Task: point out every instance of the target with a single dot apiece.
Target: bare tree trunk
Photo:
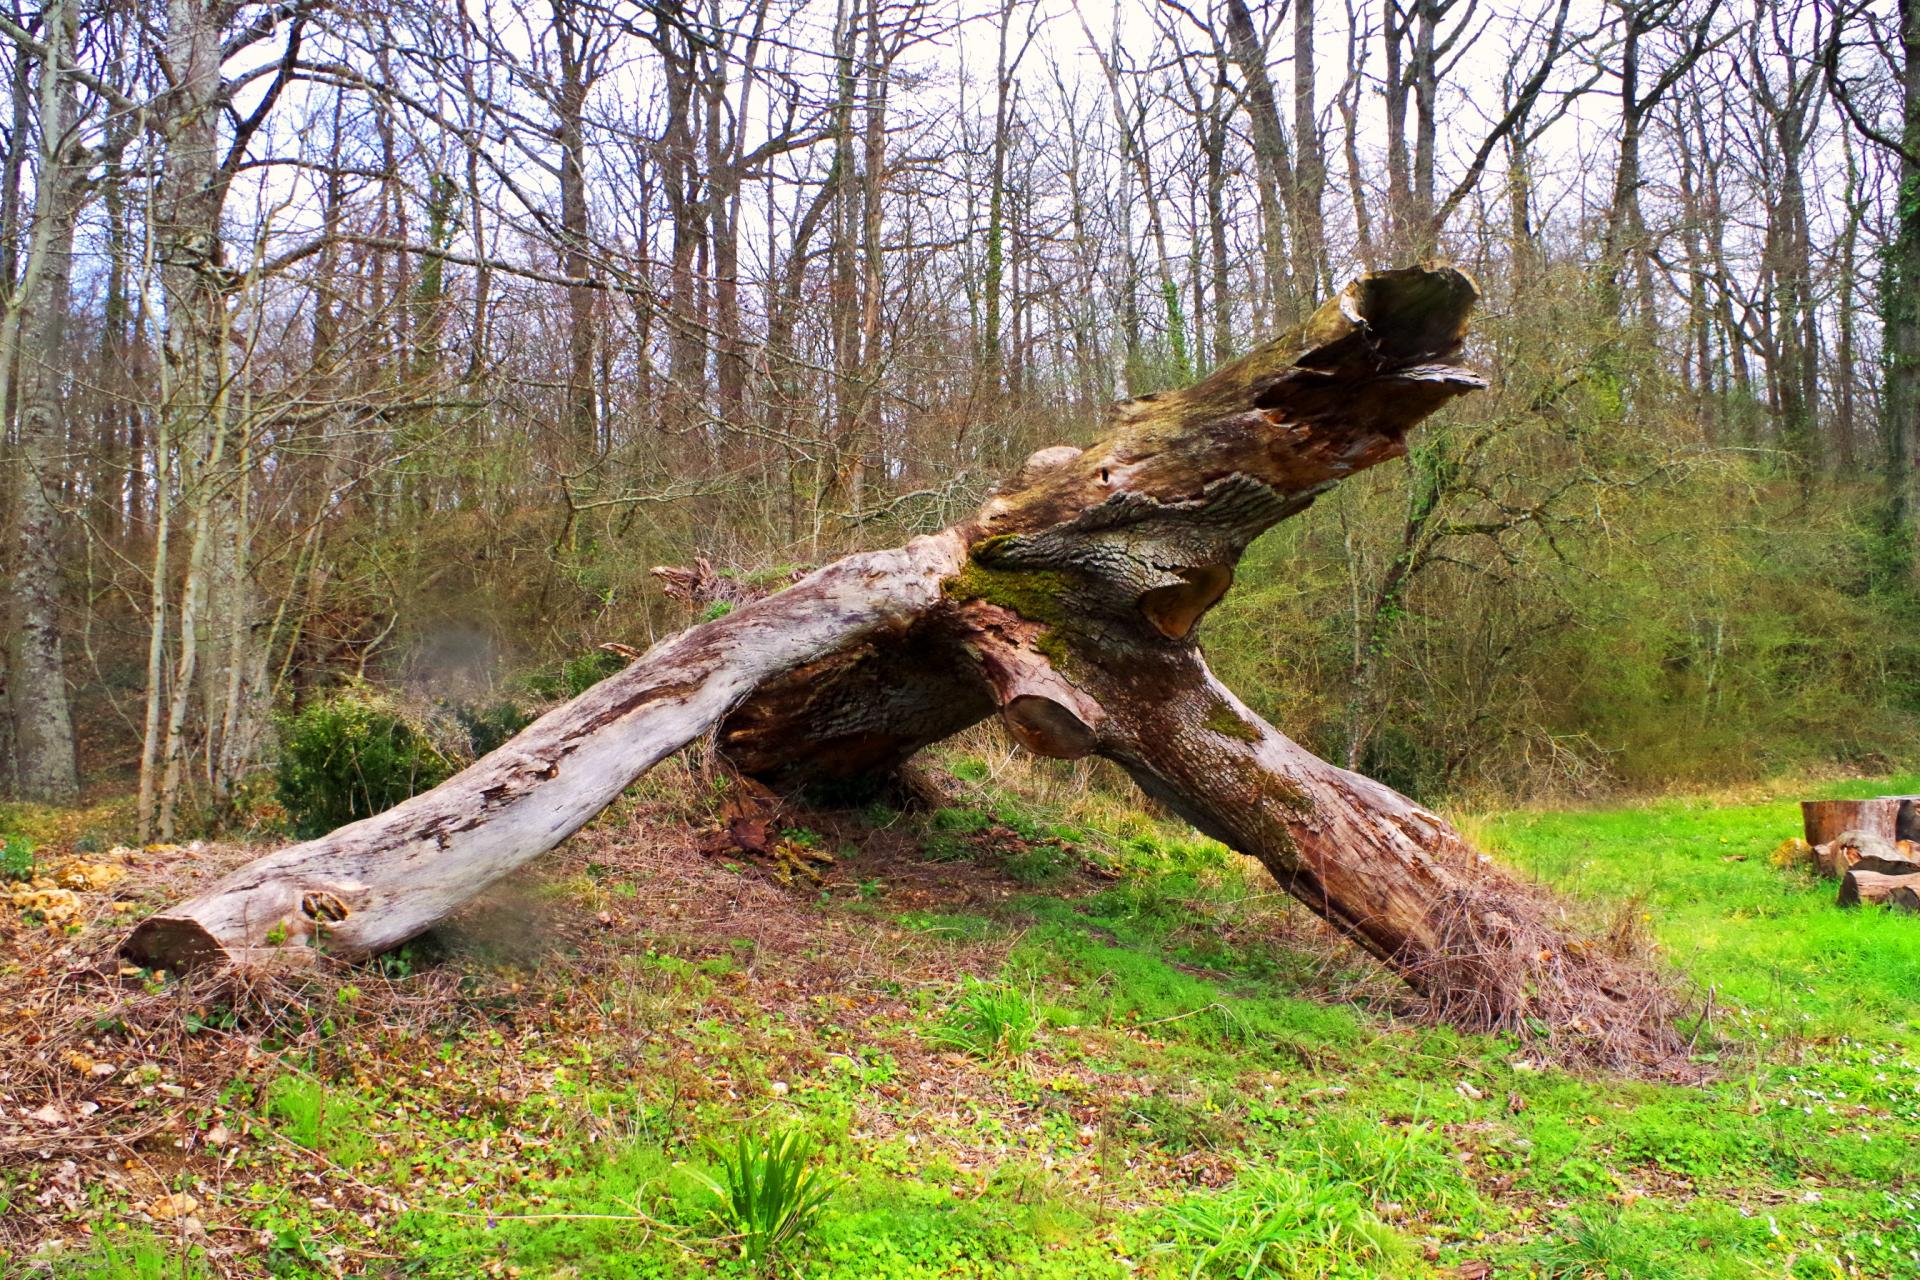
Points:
(1133, 152)
(1846, 429)
(1625, 245)
(1272, 160)
(1790, 108)
(1005, 71)
(1349, 104)
(33, 342)
(1068, 603)
(1310, 167)
(679, 180)
(1901, 410)
(1698, 361)
(578, 63)
(869, 443)
(1214, 143)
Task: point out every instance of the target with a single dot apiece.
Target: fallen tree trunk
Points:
(1068, 606)
(373, 884)
(1901, 892)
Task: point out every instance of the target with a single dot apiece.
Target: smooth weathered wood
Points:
(1900, 892)
(373, 884)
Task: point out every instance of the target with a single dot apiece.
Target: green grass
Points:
(989, 1020)
(1765, 941)
(1322, 1141)
(1150, 1080)
(124, 1253)
(328, 1121)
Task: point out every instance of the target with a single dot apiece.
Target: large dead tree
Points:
(1068, 606)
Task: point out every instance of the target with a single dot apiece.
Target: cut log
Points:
(1900, 892)
(1891, 818)
(1068, 606)
(1854, 848)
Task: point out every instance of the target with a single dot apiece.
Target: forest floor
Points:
(1025, 1045)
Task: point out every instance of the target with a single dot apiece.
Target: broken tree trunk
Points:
(1068, 605)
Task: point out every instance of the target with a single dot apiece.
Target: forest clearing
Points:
(960, 638)
(1027, 1035)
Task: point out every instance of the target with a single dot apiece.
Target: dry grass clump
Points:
(1519, 959)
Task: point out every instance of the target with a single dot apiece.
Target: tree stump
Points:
(1892, 818)
(1068, 606)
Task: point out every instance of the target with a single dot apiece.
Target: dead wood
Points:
(1890, 818)
(1068, 606)
(1899, 891)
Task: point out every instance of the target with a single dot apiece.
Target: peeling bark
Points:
(1067, 605)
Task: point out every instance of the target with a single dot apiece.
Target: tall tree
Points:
(1898, 54)
(33, 342)
(1625, 244)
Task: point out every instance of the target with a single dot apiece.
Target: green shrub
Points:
(489, 727)
(350, 756)
(574, 676)
(16, 859)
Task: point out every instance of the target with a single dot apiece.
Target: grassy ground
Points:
(1015, 1045)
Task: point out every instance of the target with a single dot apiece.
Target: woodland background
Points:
(395, 342)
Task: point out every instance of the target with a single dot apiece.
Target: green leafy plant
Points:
(990, 1020)
(770, 1193)
(350, 756)
(16, 859)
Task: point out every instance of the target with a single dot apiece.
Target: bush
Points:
(350, 756)
(488, 727)
(16, 859)
(574, 676)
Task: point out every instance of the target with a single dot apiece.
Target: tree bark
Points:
(35, 333)
(1067, 604)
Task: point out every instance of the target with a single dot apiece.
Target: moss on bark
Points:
(1225, 721)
